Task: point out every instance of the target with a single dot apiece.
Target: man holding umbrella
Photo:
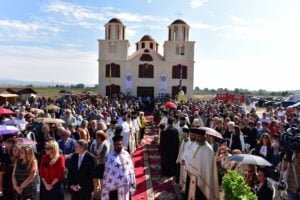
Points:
(203, 175)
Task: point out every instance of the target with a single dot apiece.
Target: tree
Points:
(79, 86)
(236, 90)
(197, 89)
(220, 89)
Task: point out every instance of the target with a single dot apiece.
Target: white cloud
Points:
(75, 14)
(25, 26)
(47, 64)
(19, 30)
(254, 29)
(202, 26)
(134, 17)
(197, 3)
(131, 32)
(75, 11)
(149, 1)
(273, 74)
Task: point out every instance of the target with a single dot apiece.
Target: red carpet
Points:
(139, 170)
(150, 184)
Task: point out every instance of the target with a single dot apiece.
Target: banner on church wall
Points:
(163, 81)
(129, 80)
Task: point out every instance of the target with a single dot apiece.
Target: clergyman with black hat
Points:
(202, 168)
(169, 148)
(111, 133)
(119, 179)
(180, 160)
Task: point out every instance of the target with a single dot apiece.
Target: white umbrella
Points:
(211, 132)
(49, 120)
(249, 159)
(4, 129)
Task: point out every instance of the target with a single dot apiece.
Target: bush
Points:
(235, 187)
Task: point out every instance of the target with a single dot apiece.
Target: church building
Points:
(146, 73)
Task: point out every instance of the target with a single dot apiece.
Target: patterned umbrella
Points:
(4, 111)
(8, 129)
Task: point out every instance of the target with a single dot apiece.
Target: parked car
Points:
(296, 105)
(287, 103)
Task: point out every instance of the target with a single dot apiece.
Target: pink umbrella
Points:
(211, 132)
(4, 111)
(170, 104)
(24, 141)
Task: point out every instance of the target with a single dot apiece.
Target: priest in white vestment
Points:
(203, 170)
(180, 160)
(119, 179)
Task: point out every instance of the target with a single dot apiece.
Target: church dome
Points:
(115, 20)
(179, 21)
(147, 38)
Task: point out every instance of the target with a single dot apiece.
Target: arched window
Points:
(118, 33)
(112, 90)
(177, 51)
(146, 71)
(112, 70)
(182, 50)
(179, 71)
(123, 32)
(175, 33)
(143, 45)
(109, 32)
(151, 45)
(146, 57)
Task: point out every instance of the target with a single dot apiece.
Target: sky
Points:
(249, 44)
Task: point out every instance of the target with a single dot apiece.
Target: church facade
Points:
(146, 73)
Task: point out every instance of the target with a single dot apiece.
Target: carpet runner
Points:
(151, 185)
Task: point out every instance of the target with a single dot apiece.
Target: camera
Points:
(290, 142)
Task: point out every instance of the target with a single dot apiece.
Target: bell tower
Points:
(179, 54)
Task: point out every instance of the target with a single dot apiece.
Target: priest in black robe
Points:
(169, 149)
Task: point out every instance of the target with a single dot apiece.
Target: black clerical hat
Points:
(197, 131)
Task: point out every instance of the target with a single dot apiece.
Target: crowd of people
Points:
(87, 145)
(201, 160)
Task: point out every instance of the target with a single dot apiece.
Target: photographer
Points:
(293, 176)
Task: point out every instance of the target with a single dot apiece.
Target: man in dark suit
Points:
(169, 149)
(81, 170)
